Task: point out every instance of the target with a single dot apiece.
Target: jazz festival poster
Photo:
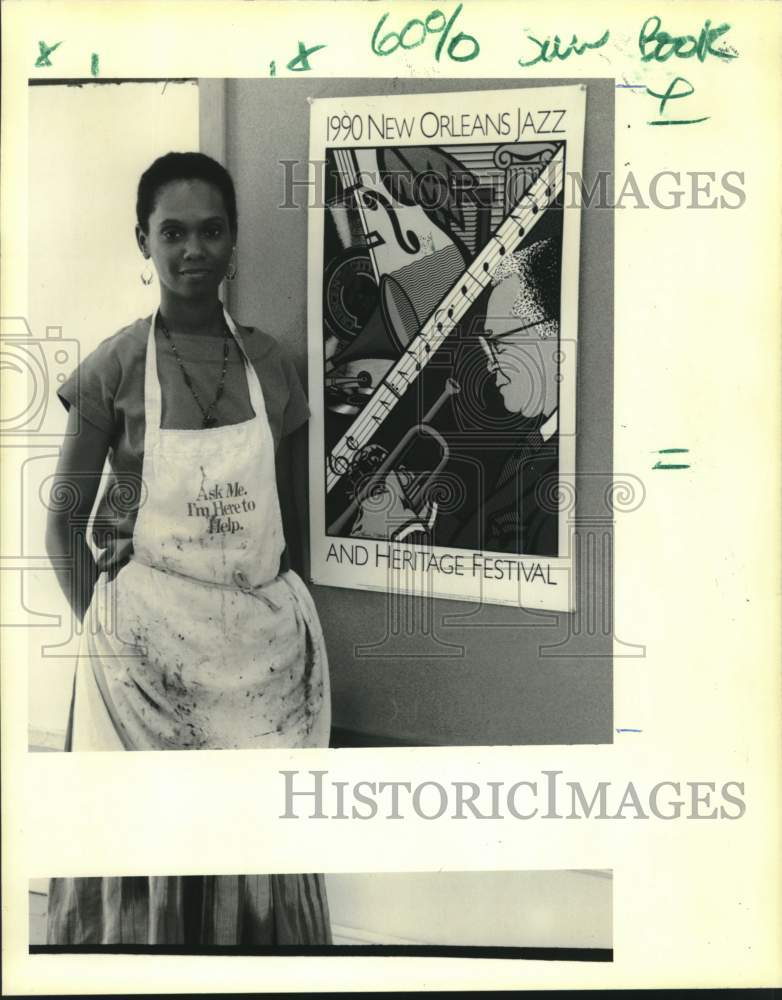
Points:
(442, 331)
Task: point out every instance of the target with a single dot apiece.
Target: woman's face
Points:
(188, 238)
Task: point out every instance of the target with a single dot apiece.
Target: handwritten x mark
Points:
(44, 51)
(301, 62)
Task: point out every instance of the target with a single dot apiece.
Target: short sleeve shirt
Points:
(108, 391)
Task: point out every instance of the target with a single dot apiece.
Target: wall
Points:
(478, 677)
(532, 909)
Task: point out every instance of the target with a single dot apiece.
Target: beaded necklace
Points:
(209, 419)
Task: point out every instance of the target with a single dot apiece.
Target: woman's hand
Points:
(71, 501)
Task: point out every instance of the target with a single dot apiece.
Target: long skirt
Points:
(190, 910)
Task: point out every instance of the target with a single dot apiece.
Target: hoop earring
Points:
(232, 271)
(146, 275)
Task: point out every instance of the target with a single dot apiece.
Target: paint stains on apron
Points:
(199, 643)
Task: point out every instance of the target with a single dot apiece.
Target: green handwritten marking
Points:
(273, 68)
(94, 64)
(454, 41)
(44, 51)
(668, 465)
(301, 62)
(671, 95)
(672, 451)
(658, 46)
(549, 51)
(416, 32)
(681, 121)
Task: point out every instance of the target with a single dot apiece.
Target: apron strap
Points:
(152, 399)
(257, 400)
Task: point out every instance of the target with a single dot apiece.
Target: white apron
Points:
(197, 643)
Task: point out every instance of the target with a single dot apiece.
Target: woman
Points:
(200, 635)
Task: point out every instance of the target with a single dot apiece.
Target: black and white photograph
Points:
(180, 600)
(533, 915)
(377, 383)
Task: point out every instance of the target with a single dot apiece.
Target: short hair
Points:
(183, 167)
